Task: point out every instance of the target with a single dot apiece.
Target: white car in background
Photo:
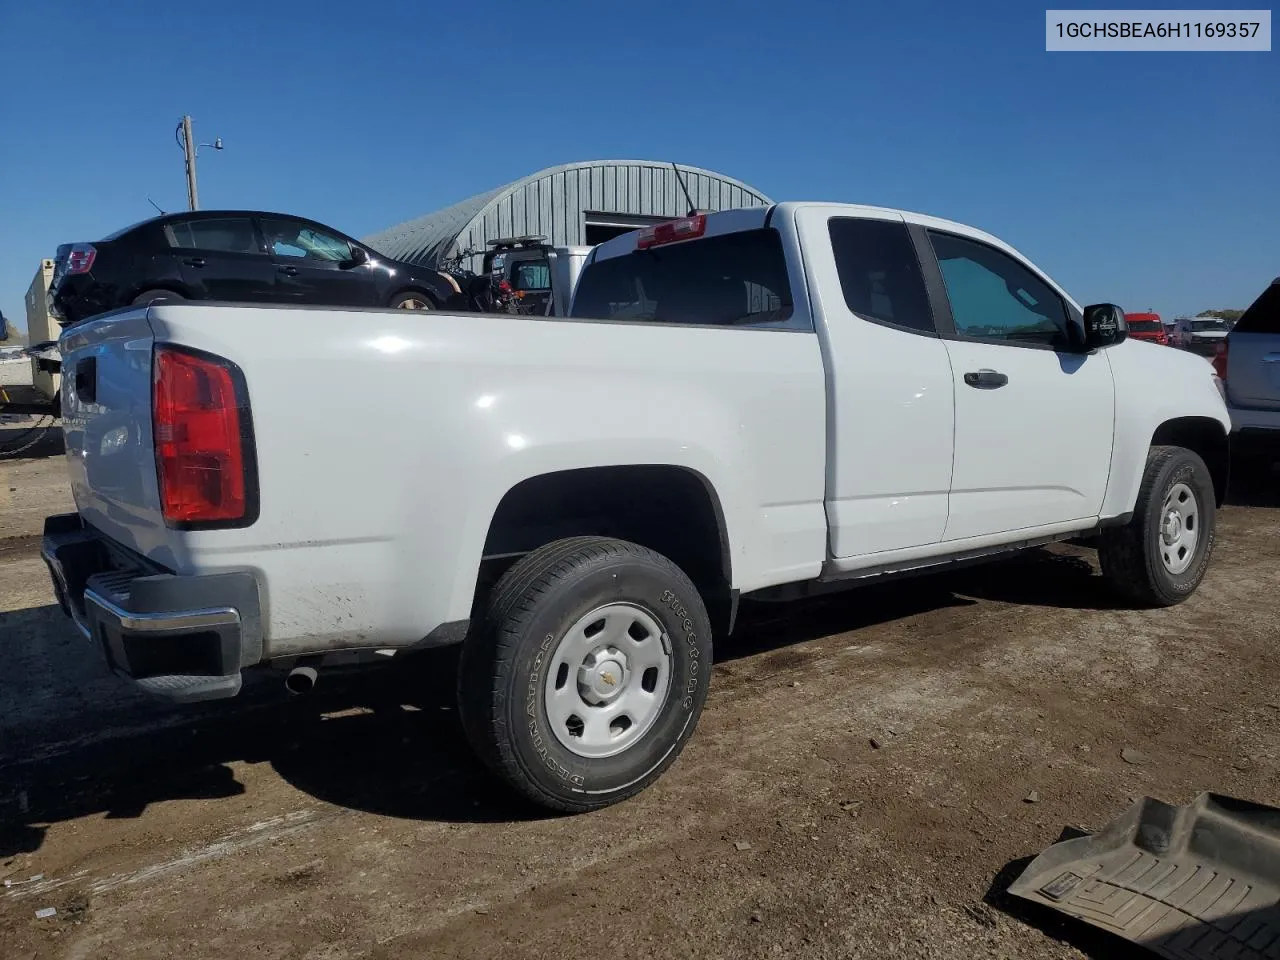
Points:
(1198, 334)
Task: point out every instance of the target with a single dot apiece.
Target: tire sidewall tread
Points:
(501, 680)
(1129, 556)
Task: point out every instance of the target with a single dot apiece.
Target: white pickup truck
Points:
(755, 403)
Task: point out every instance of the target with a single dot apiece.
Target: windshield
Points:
(737, 278)
(1145, 326)
(1199, 325)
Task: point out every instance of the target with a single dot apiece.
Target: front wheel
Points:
(587, 674)
(1160, 556)
(411, 300)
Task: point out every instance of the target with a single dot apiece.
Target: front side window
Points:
(292, 238)
(223, 235)
(879, 272)
(736, 279)
(994, 297)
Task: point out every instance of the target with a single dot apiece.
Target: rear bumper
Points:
(183, 639)
(1250, 419)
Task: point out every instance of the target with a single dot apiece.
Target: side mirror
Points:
(1104, 326)
(359, 257)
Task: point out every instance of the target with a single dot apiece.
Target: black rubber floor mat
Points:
(1188, 883)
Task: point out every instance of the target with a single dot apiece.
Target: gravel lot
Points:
(859, 785)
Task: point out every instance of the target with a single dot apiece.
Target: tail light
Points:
(80, 258)
(1220, 359)
(203, 440)
(673, 231)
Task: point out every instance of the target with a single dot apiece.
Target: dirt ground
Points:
(871, 771)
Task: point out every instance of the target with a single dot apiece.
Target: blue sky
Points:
(1150, 180)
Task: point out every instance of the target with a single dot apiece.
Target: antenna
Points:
(680, 180)
(156, 205)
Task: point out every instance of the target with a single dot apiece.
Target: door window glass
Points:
(994, 297)
(1264, 315)
(879, 272)
(228, 235)
(291, 238)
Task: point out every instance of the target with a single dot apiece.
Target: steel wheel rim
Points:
(607, 680)
(1179, 531)
(413, 303)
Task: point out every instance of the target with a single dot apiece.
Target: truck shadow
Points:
(1255, 476)
(39, 439)
(385, 741)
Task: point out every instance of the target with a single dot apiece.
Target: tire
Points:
(156, 296)
(535, 645)
(1136, 558)
(411, 300)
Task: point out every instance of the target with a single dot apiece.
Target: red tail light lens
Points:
(1220, 360)
(673, 231)
(203, 448)
(80, 258)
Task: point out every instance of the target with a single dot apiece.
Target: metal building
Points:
(576, 203)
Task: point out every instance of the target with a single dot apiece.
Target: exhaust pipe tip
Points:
(301, 680)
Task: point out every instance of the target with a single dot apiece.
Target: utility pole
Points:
(189, 150)
(187, 144)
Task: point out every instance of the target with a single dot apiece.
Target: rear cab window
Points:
(730, 280)
(1263, 316)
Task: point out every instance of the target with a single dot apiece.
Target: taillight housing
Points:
(204, 446)
(1220, 359)
(673, 231)
(80, 258)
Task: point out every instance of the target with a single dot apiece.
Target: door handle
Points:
(986, 379)
(193, 261)
(289, 271)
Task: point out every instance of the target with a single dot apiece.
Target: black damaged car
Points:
(236, 256)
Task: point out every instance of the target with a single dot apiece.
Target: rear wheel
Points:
(586, 676)
(156, 296)
(1160, 556)
(411, 300)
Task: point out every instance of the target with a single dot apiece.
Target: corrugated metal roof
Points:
(552, 202)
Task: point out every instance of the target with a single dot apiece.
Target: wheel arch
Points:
(674, 510)
(168, 286)
(1205, 437)
(419, 288)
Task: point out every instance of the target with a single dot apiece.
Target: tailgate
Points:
(1253, 370)
(106, 410)
(1253, 355)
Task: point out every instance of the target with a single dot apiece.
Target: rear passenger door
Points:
(1034, 417)
(221, 258)
(890, 407)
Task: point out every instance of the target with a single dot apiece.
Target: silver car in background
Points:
(1249, 362)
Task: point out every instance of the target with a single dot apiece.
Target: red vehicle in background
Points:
(1147, 326)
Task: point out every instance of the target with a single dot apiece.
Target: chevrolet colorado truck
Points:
(759, 403)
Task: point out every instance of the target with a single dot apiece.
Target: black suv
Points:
(238, 256)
